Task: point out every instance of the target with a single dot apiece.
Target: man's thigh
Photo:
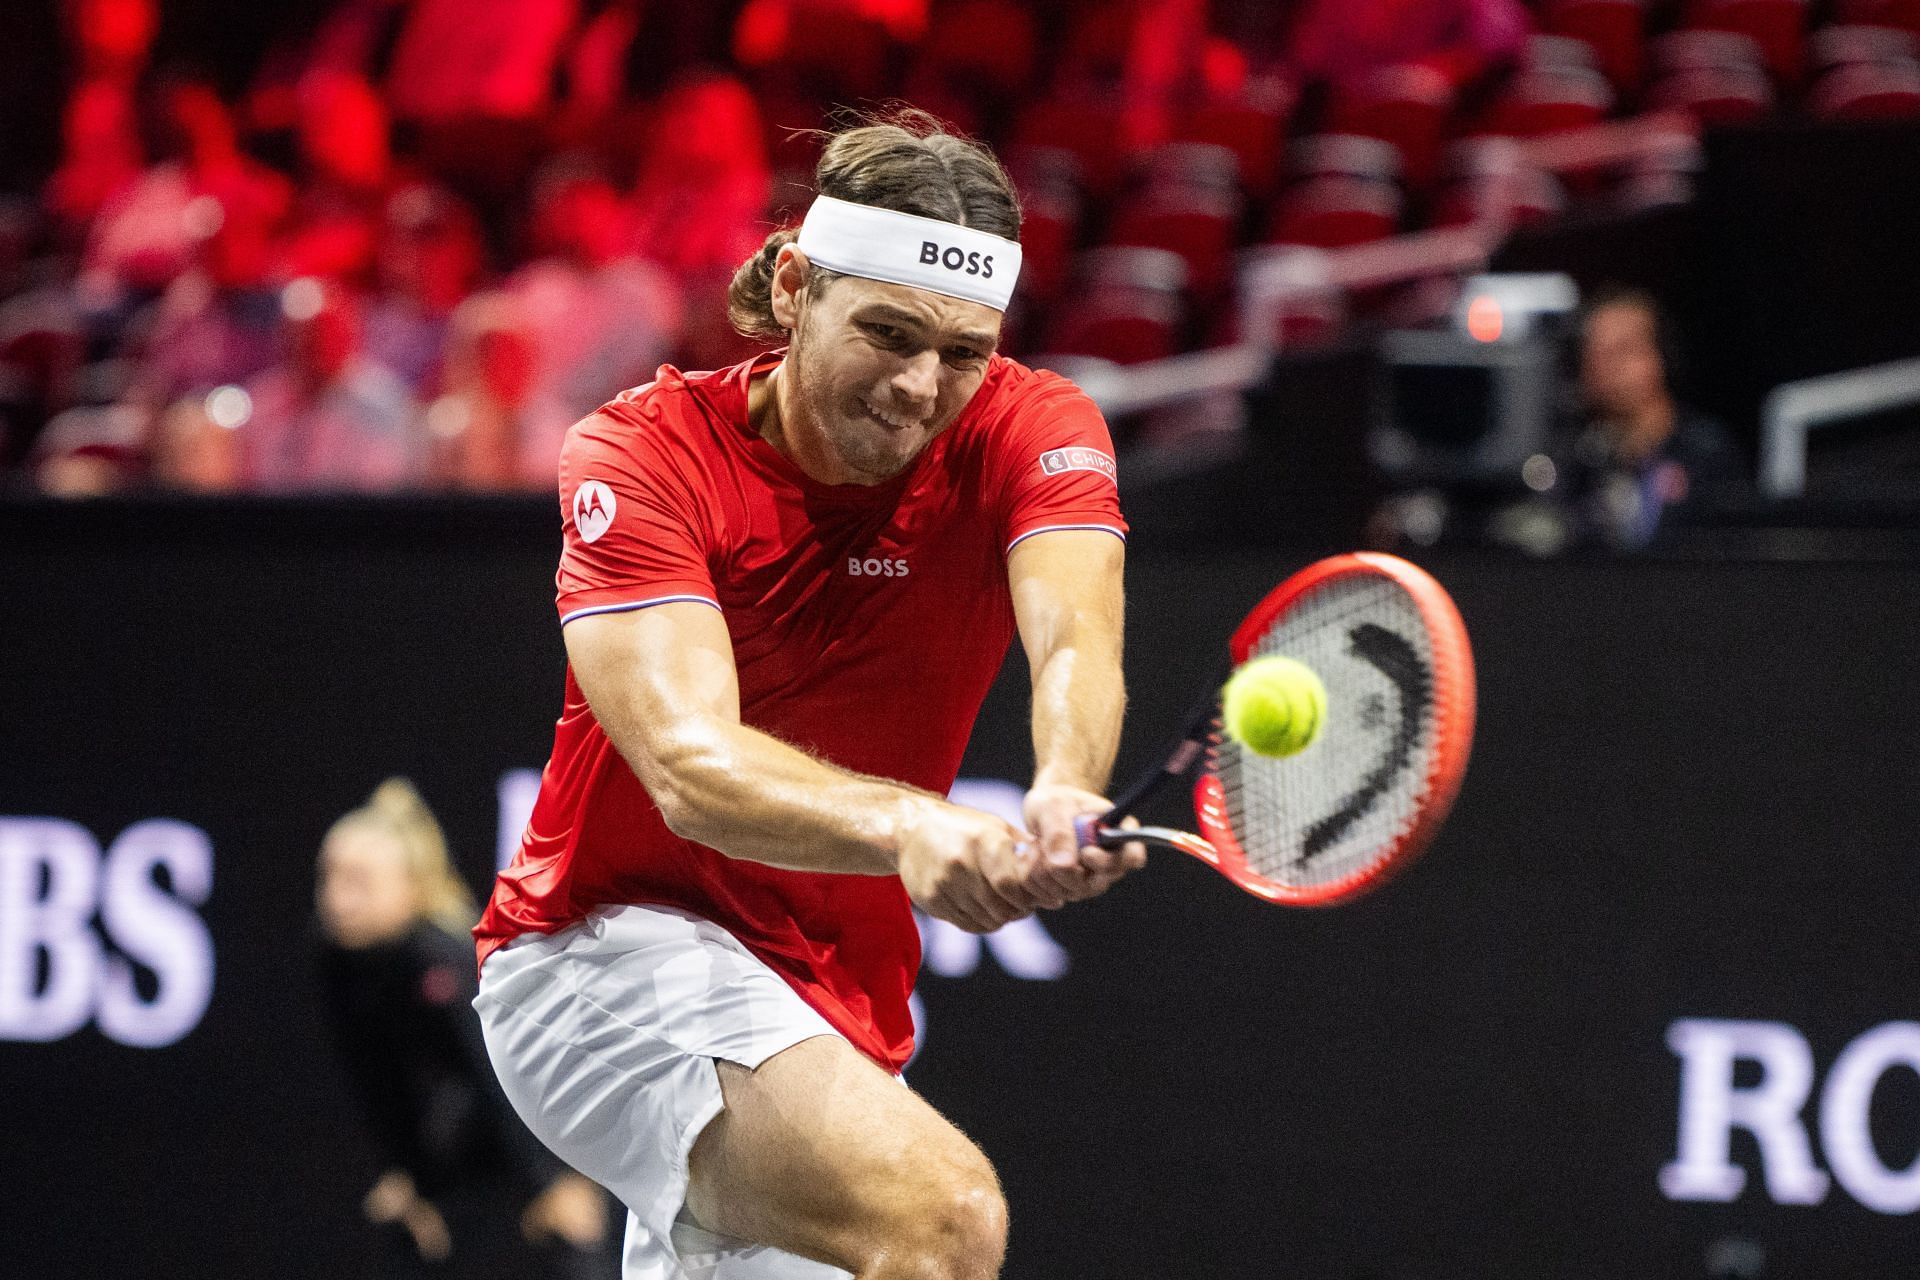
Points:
(821, 1153)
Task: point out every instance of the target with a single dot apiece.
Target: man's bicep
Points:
(653, 675)
(1067, 587)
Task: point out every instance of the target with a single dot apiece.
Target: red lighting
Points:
(1484, 320)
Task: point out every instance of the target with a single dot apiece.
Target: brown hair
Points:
(905, 161)
(397, 809)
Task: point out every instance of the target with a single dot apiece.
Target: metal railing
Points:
(1792, 410)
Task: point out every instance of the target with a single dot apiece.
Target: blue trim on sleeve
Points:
(635, 604)
(1054, 528)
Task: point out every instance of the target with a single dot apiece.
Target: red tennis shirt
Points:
(867, 624)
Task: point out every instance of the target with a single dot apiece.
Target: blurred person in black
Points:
(1631, 461)
(1637, 460)
(397, 973)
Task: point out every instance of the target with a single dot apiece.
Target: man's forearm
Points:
(749, 795)
(1079, 700)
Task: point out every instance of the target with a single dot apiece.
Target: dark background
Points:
(1692, 796)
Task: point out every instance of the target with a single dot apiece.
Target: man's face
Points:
(881, 369)
(1620, 366)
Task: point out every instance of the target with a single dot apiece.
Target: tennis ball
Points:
(1273, 706)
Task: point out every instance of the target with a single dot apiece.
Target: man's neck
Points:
(776, 416)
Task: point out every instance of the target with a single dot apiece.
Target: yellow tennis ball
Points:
(1274, 706)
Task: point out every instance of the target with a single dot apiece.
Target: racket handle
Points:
(1095, 832)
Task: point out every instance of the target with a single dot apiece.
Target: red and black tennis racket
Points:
(1333, 821)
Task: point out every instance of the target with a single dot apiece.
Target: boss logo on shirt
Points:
(1055, 461)
(873, 568)
(593, 508)
(954, 259)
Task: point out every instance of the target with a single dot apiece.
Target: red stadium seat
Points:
(1049, 234)
(1255, 132)
(1200, 226)
(1126, 307)
(1132, 267)
(1347, 155)
(1868, 91)
(987, 45)
(1904, 14)
(1305, 318)
(1777, 26)
(1125, 332)
(1662, 174)
(1493, 180)
(1845, 45)
(1557, 53)
(1545, 100)
(1615, 29)
(1042, 168)
(1333, 212)
(1688, 50)
(1191, 166)
(1715, 95)
(1090, 127)
(1407, 105)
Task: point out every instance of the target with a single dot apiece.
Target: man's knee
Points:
(956, 1227)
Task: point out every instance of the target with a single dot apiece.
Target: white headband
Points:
(903, 248)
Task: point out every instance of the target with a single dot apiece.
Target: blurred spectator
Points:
(431, 255)
(476, 81)
(192, 451)
(478, 59)
(835, 50)
(206, 331)
(89, 452)
(112, 37)
(596, 64)
(328, 417)
(396, 972)
(100, 154)
(1341, 41)
(42, 350)
(700, 197)
(601, 318)
(203, 184)
(699, 204)
(1636, 461)
(495, 428)
(346, 176)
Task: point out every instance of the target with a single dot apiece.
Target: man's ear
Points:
(789, 286)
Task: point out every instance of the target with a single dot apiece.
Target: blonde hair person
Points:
(361, 900)
(396, 973)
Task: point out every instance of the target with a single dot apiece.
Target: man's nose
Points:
(918, 380)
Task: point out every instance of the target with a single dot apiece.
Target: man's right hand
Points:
(971, 869)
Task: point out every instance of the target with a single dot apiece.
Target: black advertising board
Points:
(1647, 1008)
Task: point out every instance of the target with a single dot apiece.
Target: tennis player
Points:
(785, 588)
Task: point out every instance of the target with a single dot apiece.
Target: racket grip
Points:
(1089, 830)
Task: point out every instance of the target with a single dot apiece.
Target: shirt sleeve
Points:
(1056, 457)
(634, 532)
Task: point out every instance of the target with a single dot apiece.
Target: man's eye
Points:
(964, 355)
(886, 333)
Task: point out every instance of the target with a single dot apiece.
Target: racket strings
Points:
(1335, 809)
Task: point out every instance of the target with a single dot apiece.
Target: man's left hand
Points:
(1077, 871)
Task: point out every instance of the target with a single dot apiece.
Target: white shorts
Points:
(604, 1037)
